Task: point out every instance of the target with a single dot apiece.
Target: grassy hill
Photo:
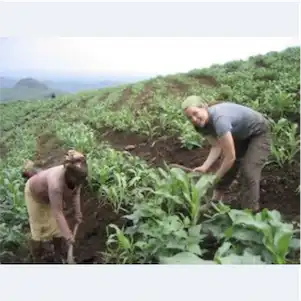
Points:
(152, 212)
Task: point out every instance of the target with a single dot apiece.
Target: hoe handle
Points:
(70, 259)
(182, 167)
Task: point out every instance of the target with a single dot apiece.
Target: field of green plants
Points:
(137, 209)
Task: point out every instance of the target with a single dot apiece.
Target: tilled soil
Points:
(91, 236)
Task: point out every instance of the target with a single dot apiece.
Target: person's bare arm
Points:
(214, 153)
(56, 203)
(225, 140)
(227, 145)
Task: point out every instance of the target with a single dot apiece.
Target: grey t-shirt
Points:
(241, 121)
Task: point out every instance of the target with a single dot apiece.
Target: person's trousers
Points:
(251, 156)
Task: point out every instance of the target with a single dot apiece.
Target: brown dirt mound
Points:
(141, 99)
(126, 94)
(85, 101)
(144, 96)
(205, 80)
(163, 149)
(92, 234)
(49, 150)
(104, 96)
(175, 86)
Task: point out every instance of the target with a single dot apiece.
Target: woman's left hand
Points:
(200, 169)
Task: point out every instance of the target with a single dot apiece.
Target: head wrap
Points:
(75, 164)
(73, 155)
(193, 101)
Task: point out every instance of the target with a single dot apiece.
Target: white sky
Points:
(130, 55)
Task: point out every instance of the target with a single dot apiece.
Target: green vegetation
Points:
(163, 207)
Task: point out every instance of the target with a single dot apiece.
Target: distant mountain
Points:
(26, 89)
(30, 88)
(73, 86)
(30, 83)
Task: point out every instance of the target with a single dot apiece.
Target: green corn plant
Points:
(163, 233)
(77, 135)
(182, 188)
(11, 186)
(278, 102)
(285, 142)
(120, 248)
(12, 238)
(117, 194)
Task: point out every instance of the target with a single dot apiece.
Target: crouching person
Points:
(45, 191)
(238, 133)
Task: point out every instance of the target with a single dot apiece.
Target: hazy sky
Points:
(129, 55)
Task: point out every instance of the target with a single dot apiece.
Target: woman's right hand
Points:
(70, 240)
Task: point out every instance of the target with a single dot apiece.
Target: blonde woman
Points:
(241, 135)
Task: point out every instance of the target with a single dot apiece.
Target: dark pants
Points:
(251, 155)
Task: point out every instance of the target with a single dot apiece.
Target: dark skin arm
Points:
(76, 203)
(56, 203)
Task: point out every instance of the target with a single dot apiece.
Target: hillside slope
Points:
(128, 133)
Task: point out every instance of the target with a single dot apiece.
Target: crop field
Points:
(136, 208)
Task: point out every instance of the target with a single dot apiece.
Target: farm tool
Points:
(70, 258)
(187, 169)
